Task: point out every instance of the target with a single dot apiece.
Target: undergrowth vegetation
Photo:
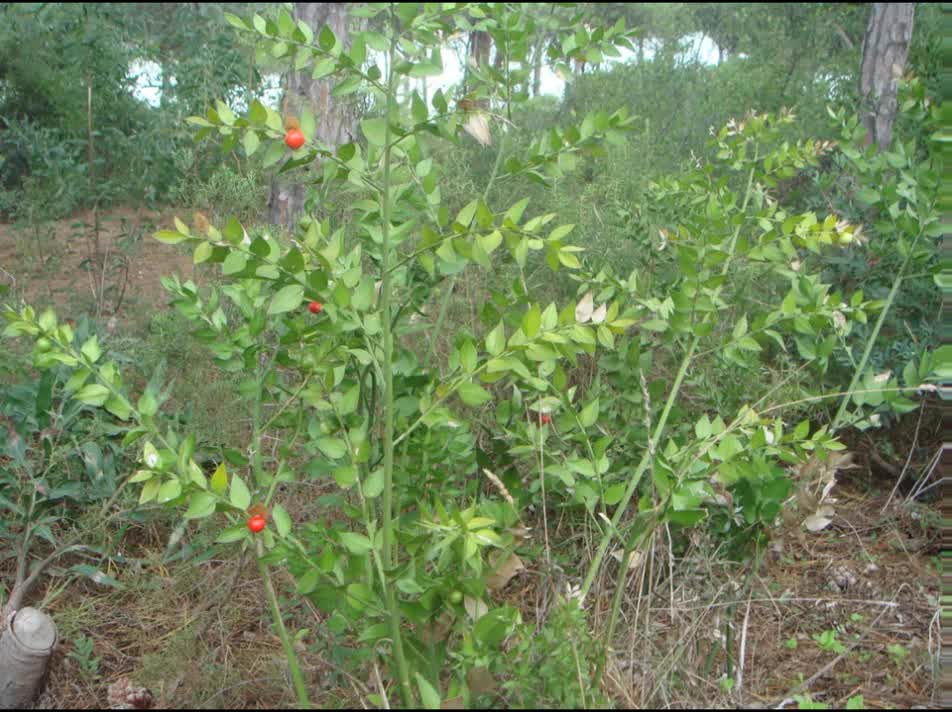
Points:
(534, 385)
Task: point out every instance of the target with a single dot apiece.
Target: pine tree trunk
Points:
(480, 44)
(335, 119)
(25, 648)
(885, 49)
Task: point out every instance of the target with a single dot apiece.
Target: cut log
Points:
(25, 648)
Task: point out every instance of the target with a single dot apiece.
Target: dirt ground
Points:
(54, 264)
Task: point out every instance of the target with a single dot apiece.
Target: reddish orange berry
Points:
(256, 523)
(294, 139)
(545, 419)
(315, 307)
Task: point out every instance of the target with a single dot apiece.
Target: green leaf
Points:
(150, 490)
(235, 21)
(203, 250)
(424, 167)
(119, 407)
(170, 237)
(94, 394)
(410, 587)
(334, 448)
(655, 325)
(348, 402)
(613, 495)
(532, 321)
(238, 494)
(251, 142)
(473, 394)
(326, 39)
(323, 68)
(465, 216)
(373, 487)
(282, 521)
(345, 476)
(702, 429)
(375, 130)
(235, 262)
(467, 356)
(272, 154)
(740, 328)
(233, 534)
(589, 414)
(91, 349)
(496, 340)
(356, 543)
(287, 299)
(219, 481)
(169, 491)
(200, 506)
(428, 695)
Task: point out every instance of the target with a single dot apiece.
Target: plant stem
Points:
(659, 428)
(860, 370)
(636, 478)
(444, 305)
(296, 677)
(406, 691)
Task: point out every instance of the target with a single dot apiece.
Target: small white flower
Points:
(882, 377)
(795, 265)
(152, 459)
(839, 320)
(769, 436)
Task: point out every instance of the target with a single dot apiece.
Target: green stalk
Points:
(630, 546)
(444, 305)
(658, 432)
(858, 373)
(636, 478)
(297, 678)
(406, 691)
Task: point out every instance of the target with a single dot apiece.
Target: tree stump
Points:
(25, 648)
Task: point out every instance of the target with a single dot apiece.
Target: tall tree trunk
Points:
(335, 119)
(537, 70)
(480, 44)
(885, 49)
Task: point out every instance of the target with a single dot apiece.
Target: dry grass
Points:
(196, 635)
(875, 591)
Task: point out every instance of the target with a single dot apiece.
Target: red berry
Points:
(315, 307)
(294, 139)
(256, 523)
(545, 419)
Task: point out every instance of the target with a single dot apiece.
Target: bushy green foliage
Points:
(651, 376)
(59, 62)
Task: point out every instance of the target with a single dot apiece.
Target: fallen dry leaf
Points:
(503, 571)
(599, 316)
(476, 608)
(815, 523)
(583, 312)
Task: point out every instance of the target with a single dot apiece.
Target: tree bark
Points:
(885, 49)
(335, 119)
